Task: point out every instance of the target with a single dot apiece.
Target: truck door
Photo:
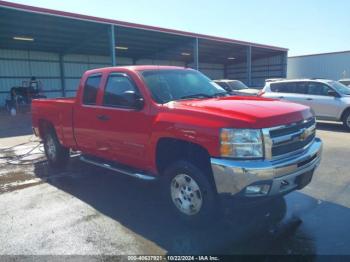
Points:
(125, 128)
(86, 117)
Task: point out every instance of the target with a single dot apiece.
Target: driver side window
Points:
(118, 90)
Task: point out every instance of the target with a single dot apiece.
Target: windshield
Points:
(237, 85)
(169, 85)
(345, 82)
(340, 88)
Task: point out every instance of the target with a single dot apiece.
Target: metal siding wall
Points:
(17, 66)
(263, 68)
(74, 65)
(159, 62)
(213, 71)
(237, 71)
(14, 54)
(330, 66)
(36, 55)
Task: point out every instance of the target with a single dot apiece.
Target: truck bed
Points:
(59, 112)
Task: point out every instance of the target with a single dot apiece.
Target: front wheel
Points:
(190, 193)
(346, 120)
(56, 154)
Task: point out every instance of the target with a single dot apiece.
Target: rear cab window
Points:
(91, 86)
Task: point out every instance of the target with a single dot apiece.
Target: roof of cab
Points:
(135, 68)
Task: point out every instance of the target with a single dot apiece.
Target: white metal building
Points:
(328, 65)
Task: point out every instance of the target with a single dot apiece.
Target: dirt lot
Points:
(88, 211)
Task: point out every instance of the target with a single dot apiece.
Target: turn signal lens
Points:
(226, 149)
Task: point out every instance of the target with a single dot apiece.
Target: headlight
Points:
(241, 143)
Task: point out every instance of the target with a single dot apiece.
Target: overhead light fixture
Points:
(231, 58)
(23, 38)
(121, 47)
(185, 54)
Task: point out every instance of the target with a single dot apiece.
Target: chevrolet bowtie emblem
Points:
(304, 135)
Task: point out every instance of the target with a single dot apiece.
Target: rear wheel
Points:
(56, 154)
(346, 120)
(190, 193)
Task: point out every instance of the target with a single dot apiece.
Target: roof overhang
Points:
(65, 32)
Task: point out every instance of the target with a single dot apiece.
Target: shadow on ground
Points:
(138, 205)
(19, 125)
(331, 126)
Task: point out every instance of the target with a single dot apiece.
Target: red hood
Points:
(253, 112)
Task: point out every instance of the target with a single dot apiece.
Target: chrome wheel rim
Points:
(186, 194)
(50, 148)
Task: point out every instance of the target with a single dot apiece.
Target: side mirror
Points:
(133, 100)
(332, 93)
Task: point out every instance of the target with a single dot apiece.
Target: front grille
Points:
(290, 147)
(288, 129)
(290, 138)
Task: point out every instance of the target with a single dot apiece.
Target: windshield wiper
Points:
(196, 96)
(220, 94)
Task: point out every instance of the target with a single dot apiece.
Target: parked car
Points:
(175, 125)
(329, 100)
(345, 81)
(273, 79)
(236, 87)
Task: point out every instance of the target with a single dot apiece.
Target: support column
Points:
(249, 66)
(195, 54)
(225, 71)
(63, 82)
(112, 45)
(285, 64)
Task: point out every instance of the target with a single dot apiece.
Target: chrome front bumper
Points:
(281, 175)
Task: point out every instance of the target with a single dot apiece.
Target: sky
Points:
(303, 26)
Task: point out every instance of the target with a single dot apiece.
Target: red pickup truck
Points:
(175, 124)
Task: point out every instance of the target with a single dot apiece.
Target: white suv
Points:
(330, 100)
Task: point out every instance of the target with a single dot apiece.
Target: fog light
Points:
(257, 189)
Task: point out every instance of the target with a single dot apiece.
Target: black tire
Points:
(209, 204)
(346, 120)
(59, 158)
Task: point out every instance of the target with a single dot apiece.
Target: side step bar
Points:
(118, 169)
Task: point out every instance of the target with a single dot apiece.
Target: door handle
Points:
(309, 99)
(103, 117)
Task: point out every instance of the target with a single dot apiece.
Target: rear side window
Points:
(318, 89)
(90, 89)
(118, 90)
(301, 88)
(283, 87)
